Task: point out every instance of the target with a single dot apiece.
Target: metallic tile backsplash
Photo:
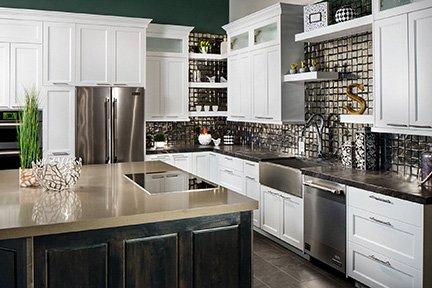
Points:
(352, 57)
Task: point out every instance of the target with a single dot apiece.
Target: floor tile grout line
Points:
(262, 282)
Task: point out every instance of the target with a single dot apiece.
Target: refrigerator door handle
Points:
(114, 131)
(107, 148)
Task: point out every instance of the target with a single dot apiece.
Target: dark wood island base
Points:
(211, 251)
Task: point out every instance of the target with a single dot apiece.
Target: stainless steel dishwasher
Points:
(325, 221)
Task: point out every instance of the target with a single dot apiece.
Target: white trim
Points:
(215, 85)
(167, 30)
(311, 76)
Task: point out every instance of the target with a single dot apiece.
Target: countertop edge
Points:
(123, 221)
(370, 187)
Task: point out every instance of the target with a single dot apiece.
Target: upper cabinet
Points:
(261, 47)
(387, 8)
(167, 95)
(4, 74)
(59, 53)
(403, 96)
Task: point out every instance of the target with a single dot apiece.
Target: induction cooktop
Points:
(169, 181)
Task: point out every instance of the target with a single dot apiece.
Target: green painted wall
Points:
(204, 15)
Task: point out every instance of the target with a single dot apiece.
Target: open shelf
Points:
(202, 56)
(356, 119)
(216, 85)
(311, 76)
(348, 28)
(208, 114)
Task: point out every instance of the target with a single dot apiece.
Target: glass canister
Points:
(426, 169)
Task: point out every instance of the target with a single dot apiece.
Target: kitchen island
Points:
(110, 232)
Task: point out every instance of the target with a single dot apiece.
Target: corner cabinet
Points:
(261, 48)
(402, 96)
(167, 69)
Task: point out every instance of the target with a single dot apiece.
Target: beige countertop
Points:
(105, 198)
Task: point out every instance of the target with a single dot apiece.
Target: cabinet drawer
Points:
(376, 270)
(387, 206)
(231, 179)
(232, 163)
(395, 239)
(251, 169)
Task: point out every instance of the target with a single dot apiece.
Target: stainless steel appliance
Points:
(9, 148)
(325, 221)
(109, 124)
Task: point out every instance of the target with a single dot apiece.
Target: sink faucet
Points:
(317, 121)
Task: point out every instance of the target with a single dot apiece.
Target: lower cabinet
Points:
(201, 252)
(282, 216)
(201, 164)
(253, 190)
(183, 161)
(214, 167)
(13, 263)
(231, 179)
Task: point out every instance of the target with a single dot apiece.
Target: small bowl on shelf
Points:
(57, 173)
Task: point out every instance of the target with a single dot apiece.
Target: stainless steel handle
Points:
(172, 116)
(273, 193)
(228, 171)
(120, 84)
(421, 126)
(11, 152)
(380, 199)
(386, 263)
(172, 176)
(229, 159)
(381, 221)
(250, 164)
(102, 84)
(114, 130)
(397, 125)
(156, 116)
(263, 117)
(322, 187)
(60, 83)
(60, 154)
(250, 178)
(107, 147)
(157, 177)
(15, 124)
(234, 116)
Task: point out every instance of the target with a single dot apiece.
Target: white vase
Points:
(206, 108)
(198, 108)
(303, 70)
(159, 144)
(293, 71)
(215, 108)
(204, 139)
(313, 68)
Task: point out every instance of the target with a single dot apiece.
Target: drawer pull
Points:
(229, 159)
(228, 171)
(157, 177)
(250, 164)
(380, 221)
(397, 125)
(422, 126)
(60, 83)
(322, 187)
(386, 263)
(380, 199)
(250, 178)
(172, 176)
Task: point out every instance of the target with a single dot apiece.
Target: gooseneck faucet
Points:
(317, 121)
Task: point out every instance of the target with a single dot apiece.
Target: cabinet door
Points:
(183, 161)
(94, 55)
(26, 70)
(154, 183)
(271, 211)
(266, 84)
(59, 121)
(214, 168)
(391, 72)
(174, 88)
(153, 98)
(231, 179)
(234, 88)
(292, 228)
(201, 163)
(253, 190)
(176, 182)
(13, 263)
(129, 58)
(420, 41)
(59, 53)
(4, 75)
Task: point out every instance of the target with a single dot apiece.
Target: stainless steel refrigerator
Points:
(109, 124)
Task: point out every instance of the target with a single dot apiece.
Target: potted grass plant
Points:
(28, 138)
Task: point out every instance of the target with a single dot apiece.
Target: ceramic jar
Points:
(344, 14)
(204, 139)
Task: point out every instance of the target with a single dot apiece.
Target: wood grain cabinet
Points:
(202, 252)
(13, 263)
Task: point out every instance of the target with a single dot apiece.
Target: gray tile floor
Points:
(276, 267)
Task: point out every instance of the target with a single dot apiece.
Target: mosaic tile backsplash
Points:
(352, 57)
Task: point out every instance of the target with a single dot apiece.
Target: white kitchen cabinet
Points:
(392, 85)
(214, 167)
(95, 51)
(129, 57)
(174, 89)
(272, 204)
(59, 53)
(154, 183)
(231, 179)
(4, 74)
(252, 189)
(201, 164)
(292, 228)
(176, 182)
(239, 88)
(266, 86)
(420, 69)
(183, 161)
(261, 48)
(153, 98)
(59, 120)
(166, 158)
(25, 70)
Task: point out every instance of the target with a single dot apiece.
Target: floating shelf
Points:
(348, 28)
(202, 56)
(208, 114)
(311, 76)
(357, 119)
(208, 85)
